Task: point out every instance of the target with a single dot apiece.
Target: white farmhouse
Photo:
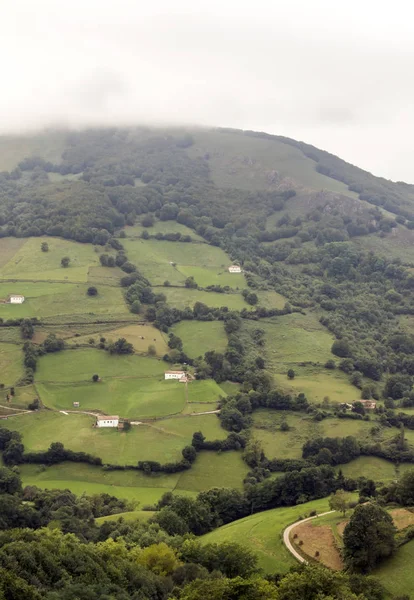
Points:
(234, 269)
(104, 421)
(178, 375)
(15, 299)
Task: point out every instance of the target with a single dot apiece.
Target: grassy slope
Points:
(397, 574)
(140, 336)
(14, 148)
(251, 163)
(201, 336)
(263, 534)
(181, 297)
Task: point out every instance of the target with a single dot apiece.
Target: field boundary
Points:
(290, 528)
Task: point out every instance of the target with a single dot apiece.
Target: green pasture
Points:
(204, 391)
(9, 247)
(374, 468)
(398, 244)
(87, 479)
(59, 299)
(82, 363)
(139, 335)
(11, 363)
(288, 444)
(201, 336)
(163, 261)
(162, 227)
(105, 275)
(263, 534)
(133, 398)
(181, 297)
(29, 262)
(205, 276)
(239, 161)
(212, 469)
(397, 574)
(23, 396)
(295, 338)
(271, 299)
(230, 387)
(162, 440)
(318, 383)
(133, 515)
(199, 407)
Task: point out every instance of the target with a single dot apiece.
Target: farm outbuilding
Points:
(15, 299)
(178, 375)
(234, 269)
(105, 421)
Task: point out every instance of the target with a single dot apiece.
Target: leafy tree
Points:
(368, 537)
(121, 346)
(147, 220)
(291, 374)
(330, 364)
(35, 405)
(135, 307)
(189, 453)
(26, 329)
(53, 344)
(65, 261)
(10, 482)
(341, 348)
(95, 378)
(44, 247)
(152, 351)
(92, 291)
(339, 501)
(190, 283)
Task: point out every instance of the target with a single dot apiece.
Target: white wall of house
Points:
(234, 269)
(176, 375)
(16, 299)
(107, 423)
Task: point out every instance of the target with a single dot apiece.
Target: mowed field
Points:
(130, 386)
(11, 363)
(162, 440)
(181, 297)
(201, 336)
(141, 336)
(162, 261)
(263, 534)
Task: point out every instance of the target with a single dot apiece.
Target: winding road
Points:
(288, 530)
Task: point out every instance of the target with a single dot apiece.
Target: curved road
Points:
(288, 530)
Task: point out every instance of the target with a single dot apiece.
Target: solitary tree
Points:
(92, 291)
(152, 350)
(368, 537)
(44, 247)
(95, 378)
(65, 261)
(291, 374)
(339, 501)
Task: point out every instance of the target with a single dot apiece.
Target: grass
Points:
(140, 336)
(263, 532)
(288, 444)
(133, 398)
(271, 299)
(212, 469)
(204, 391)
(201, 336)
(133, 515)
(318, 383)
(208, 264)
(161, 441)
(296, 338)
(29, 262)
(61, 299)
(162, 227)
(14, 148)
(229, 387)
(82, 363)
(8, 248)
(11, 363)
(181, 297)
(397, 574)
(375, 468)
(238, 161)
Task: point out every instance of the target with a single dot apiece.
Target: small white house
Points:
(178, 375)
(15, 299)
(234, 269)
(105, 421)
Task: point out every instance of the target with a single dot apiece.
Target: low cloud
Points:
(340, 79)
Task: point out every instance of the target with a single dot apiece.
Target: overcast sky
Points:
(339, 75)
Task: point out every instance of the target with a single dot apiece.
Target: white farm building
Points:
(234, 269)
(104, 421)
(177, 375)
(15, 299)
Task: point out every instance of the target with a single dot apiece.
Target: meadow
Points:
(288, 444)
(139, 335)
(11, 363)
(181, 297)
(201, 336)
(375, 468)
(162, 440)
(397, 574)
(263, 533)
(30, 263)
(162, 227)
(230, 166)
(318, 384)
